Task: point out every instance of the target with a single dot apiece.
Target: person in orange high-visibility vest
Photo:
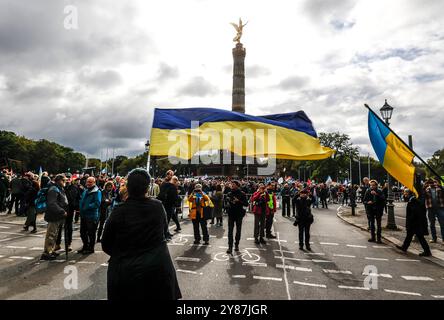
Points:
(197, 201)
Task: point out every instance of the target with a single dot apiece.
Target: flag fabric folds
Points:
(283, 136)
(393, 155)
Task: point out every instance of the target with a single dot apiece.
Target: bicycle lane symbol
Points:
(245, 255)
(180, 241)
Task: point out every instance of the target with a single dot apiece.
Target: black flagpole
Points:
(405, 144)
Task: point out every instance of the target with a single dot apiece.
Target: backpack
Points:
(41, 200)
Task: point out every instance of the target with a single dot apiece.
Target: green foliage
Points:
(437, 163)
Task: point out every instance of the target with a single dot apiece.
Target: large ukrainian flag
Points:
(296, 138)
(392, 153)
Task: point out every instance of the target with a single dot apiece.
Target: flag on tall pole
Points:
(392, 152)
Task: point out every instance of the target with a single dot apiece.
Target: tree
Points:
(437, 163)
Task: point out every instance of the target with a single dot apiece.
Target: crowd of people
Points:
(98, 204)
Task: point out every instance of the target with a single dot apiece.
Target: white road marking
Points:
(255, 264)
(414, 278)
(277, 240)
(284, 251)
(6, 239)
(337, 271)
(310, 284)
(104, 264)
(60, 261)
(377, 259)
(355, 246)
(315, 254)
(86, 262)
(238, 276)
(189, 271)
(2, 256)
(285, 270)
(403, 292)
(24, 258)
(438, 297)
(21, 234)
(280, 266)
(329, 243)
(343, 255)
(322, 261)
(292, 259)
(36, 249)
(382, 275)
(354, 288)
(250, 238)
(187, 259)
(260, 249)
(267, 278)
(406, 260)
(223, 247)
(175, 244)
(15, 247)
(381, 247)
(4, 227)
(200, 245)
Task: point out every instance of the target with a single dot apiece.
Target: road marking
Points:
(4, 227)
(355, 246)
(381, 247)
(403, 292)
(292, 259)
(354, 288)
(15, 247)
(330, 243)
(438, 297)
(260, 249)
(176, 244)
(86, 262)
(24, 258)
(60, 261)
(310, 284)
(277, 240)
(414, 278)
(189, 271)
(337, 271)
(280, 266)
(343, 255)
(2, 256)
(377, 259)
(21, 234)
(382, 275)
(284, 251)
(267, 278)
(255, 264)
(315, 254)
(322, 261)
(238, 276)
(6, 239)
(104, 264)
(411, 260)
(200, 245)
(187, 259)
(223, 247)
(36, 249)
(287, 287)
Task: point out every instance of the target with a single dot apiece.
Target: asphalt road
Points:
(277, 270)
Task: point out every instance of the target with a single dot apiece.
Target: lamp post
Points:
(386, 113)
(147, 149)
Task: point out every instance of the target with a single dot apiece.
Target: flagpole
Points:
(406, 145)
(368, 167)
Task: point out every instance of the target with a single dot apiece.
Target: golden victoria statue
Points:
(238, 28)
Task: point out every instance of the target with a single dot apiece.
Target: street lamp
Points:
(386, 113)
(147, 149)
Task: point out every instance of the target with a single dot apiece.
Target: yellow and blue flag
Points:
(283, 136)
(392, 153)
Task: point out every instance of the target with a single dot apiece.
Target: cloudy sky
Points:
(96, 86)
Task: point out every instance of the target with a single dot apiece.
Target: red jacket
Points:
(257, 208)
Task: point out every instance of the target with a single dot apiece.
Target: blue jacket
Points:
(90, 203)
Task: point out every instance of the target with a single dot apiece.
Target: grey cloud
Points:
(256, 71)
(428, 77)
(167, 72)
(100, 79)
(39, 93)
(324, 9)
(342, 25)
(294, 82)
(198, 87)
(408, 54)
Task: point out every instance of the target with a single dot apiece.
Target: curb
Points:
(392, 240)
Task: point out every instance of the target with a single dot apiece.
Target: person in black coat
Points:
(416, 223)
(374, 201)
(304, 218)
(237, 200)
(140, 265)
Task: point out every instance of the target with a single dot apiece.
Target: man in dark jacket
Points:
(416, 222)
(236, 212)
(285, 194)
(168, 195)
(16, 195)
(323, 195)
(4, 186)
(140, 266)
(304, 219)
(89, 215)
(56, 212)
(374, 201)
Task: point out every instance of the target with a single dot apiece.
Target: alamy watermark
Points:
(71, 281)
(71, 21)
(258, 143)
